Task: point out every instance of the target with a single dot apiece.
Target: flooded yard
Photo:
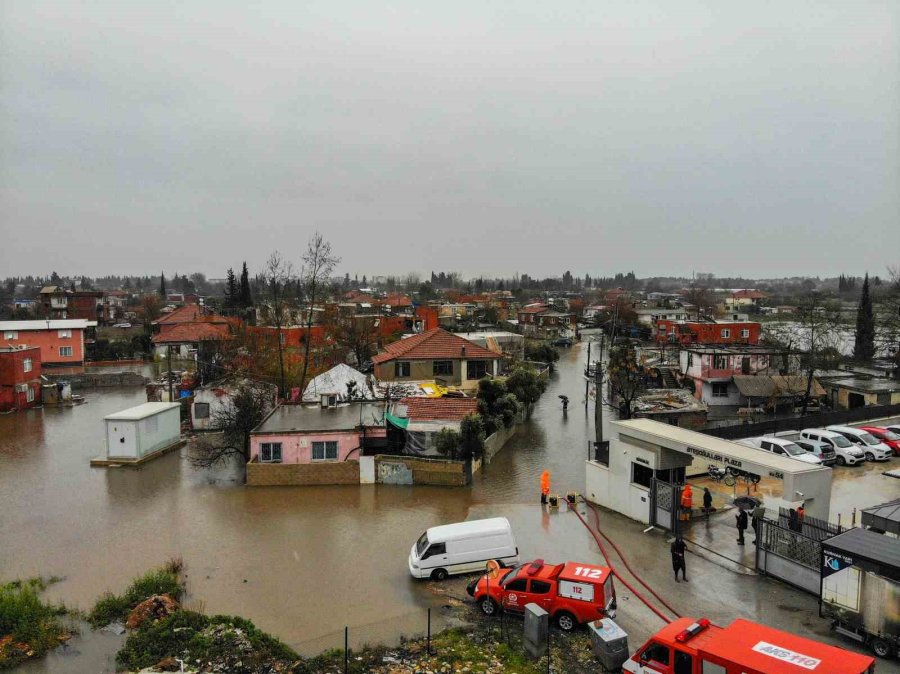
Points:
(300, 562)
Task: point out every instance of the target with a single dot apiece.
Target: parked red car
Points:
(887, 436)
(572, 593)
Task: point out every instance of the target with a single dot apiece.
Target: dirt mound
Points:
(155, 608)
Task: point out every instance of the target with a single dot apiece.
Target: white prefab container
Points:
(139, 431)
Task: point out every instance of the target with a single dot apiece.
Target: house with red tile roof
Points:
(415, 422)
(439, 356)
(544, 322)
(744, 299)
(186, 328)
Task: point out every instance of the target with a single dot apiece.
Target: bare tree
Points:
(703, 301)
(625, 379)
(249, 405)
(278, 274)
(887, 318)
(357, 335)
(816, 331)
(315, 280)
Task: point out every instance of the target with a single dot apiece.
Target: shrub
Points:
(541, 352)
(110, 607)
(28, 620)
(446, 442)
(187, 634)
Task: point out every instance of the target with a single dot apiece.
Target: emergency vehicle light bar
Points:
(534, 567)
(692, 630)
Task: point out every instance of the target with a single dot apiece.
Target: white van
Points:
(848, 454)
(782, 447)
(872, 447)
(464, 547)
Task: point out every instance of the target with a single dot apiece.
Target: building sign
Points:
(785, 655)
(832, 562)
(713, 456)
(643, 461)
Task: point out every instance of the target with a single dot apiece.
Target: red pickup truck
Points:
(572, 593)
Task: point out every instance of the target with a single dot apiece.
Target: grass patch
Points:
(164, 580)
(224, 640)
(29, 627)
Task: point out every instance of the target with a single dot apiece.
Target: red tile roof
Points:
(750, 294)
(189, 333)
(397, 300)
(431, 345)
(186, 314)
(443, 409)
(533, 309)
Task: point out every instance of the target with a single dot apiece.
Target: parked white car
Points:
(847, 453)
(782, 447)
(872, 447)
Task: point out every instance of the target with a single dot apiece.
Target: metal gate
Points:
(665, 499)
(789, 556)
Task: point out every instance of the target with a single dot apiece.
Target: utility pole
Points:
(598, 396)
(587, 382)
(171, 383)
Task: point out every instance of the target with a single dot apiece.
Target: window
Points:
(270, 452)
(641, 475)
(65, 351)
(476, 369)
(64, 334)
(324, 451)
(684, 663)
(517, 585)
(26, 365)
(201, 410)
(539, 587)
(726, 333)
(658, 653)
(442, 367)
(720, 362)
(401, 368)
(435, 549)
(10, 334)
(720, 389)
(745, 333)
(29, 395)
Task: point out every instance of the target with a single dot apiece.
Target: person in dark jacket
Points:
(741, 518)
(707, 501)
(677, 550)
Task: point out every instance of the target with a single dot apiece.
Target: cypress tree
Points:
(162, 285)
(864, 347)
(246, 300)
(231, 291)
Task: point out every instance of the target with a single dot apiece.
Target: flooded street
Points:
(301, 563)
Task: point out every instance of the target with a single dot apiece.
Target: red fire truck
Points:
(571, 593)
(688, 646)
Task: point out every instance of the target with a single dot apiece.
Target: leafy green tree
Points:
(864, 346)
(526, 385)
(471, 438)
(446, 442)
(231, 290)
(541, 352)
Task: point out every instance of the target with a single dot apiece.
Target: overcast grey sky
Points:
(755, 138)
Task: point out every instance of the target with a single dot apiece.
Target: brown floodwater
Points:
(300, 562)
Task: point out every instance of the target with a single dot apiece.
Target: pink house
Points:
(294, 434)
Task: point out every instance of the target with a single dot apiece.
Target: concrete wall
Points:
(495, 442)
(99, 379)
(733, 397)
(410, 470)
(302, 474)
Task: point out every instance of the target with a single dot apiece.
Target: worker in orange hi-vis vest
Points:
(687, 502)
(545, 486)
